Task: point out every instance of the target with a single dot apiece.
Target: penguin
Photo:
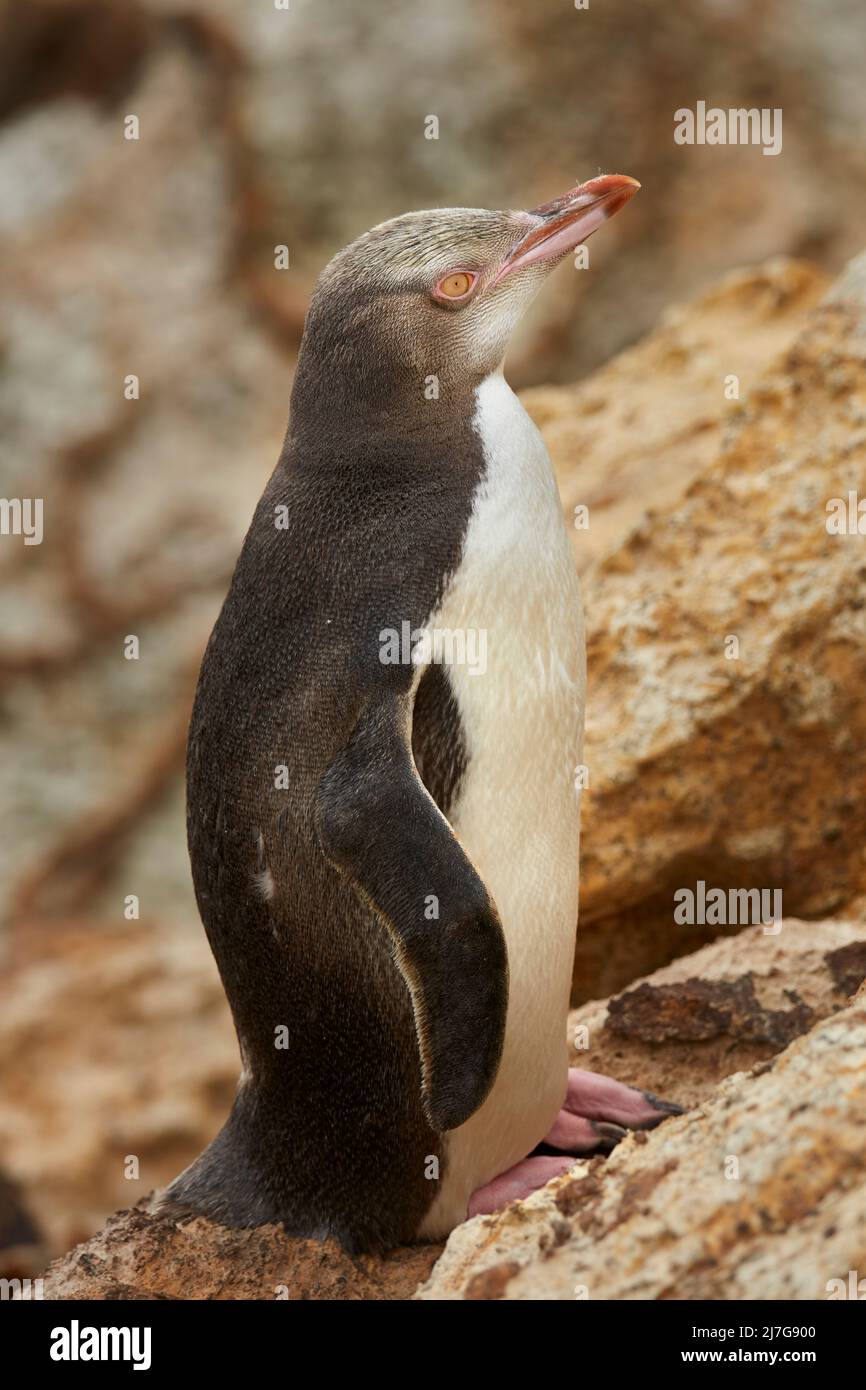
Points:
(382, 816)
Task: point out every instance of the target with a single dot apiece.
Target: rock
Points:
(142, 1254)
(747, 772)
(799, 976)
(502, 84)
(115, 1046)
(120, 257)
(759, 1193)
(22, 1246)
(703, 211)
(726, 1007)
(637, 432)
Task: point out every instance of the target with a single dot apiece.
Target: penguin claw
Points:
(598, 1112)
(665, 1107)
(608, 1135)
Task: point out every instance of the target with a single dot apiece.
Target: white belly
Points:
(518, 811)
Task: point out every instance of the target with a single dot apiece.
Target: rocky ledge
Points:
(758, 1191)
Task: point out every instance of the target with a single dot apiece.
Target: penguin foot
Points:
(515, 1184)
(597, 1112)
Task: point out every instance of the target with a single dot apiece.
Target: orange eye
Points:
(455, 286)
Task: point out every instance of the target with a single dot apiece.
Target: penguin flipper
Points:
(380, 826)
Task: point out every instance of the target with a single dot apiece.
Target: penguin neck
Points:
(374, 389)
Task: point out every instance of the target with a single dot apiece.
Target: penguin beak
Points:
(564, 223)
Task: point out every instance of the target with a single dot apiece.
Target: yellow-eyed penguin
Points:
(382, 814)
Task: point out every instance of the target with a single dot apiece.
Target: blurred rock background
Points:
(154, 258)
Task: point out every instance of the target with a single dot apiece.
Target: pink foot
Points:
(518, 1182)
(596, 1114)
(597, 1111)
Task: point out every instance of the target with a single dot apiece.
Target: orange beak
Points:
(566, 222)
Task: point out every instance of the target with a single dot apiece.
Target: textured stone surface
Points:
(759, 1193)
(114, 1046)
(144, 1254)
(141, 1254)
(631, 438)
(118, 263)
(510, 84)
(746, 772)
(726, 1007)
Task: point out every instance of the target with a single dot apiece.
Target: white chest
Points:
(522, 709)
(517, 814)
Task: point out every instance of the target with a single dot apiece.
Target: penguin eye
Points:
(457, 284)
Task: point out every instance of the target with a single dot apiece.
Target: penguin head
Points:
(437, 294)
